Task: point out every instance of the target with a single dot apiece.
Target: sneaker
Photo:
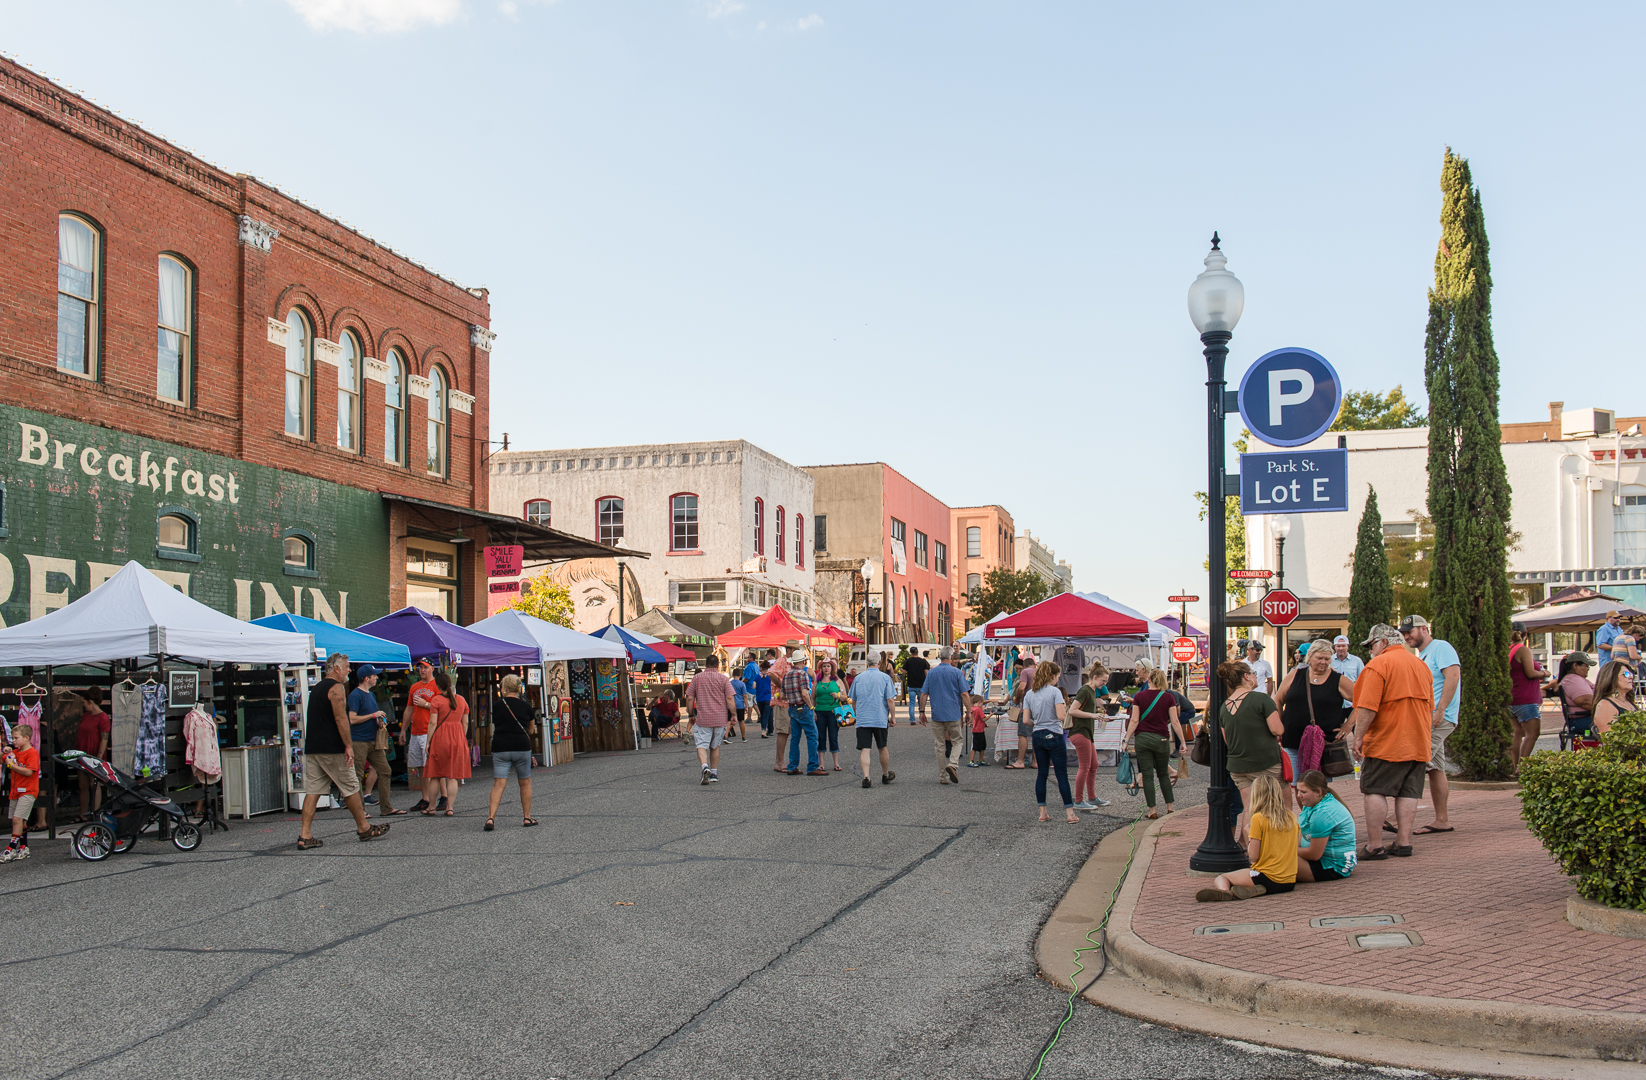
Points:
(422, 804)
(954, 774)
(886, 778)
(370, 800)
(1248, 892)
(1098, 801)
(971, 764)
(10, 854)
(441, 805)
(705, 774)
(867, 782)
(1083, 806)
(1213, 896)
(22, 853)
(714, 777)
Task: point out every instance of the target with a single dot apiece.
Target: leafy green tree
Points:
(1409, 557)
(1371, 593)
(1368, 410)
(546, 600)
(1234, 532)
(1008, 591)
(1468, 483)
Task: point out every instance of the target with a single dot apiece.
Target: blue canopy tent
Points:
(639, 651)
(330, 639)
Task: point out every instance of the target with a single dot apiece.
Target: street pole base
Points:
(1216, 861)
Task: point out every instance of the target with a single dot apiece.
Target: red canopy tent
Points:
(1067, 615)
(843, 637)
(776, 627)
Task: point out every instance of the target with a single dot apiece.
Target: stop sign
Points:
(1279, 607)
(1184, 650)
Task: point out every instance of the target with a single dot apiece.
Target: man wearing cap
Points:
(1346, 664)
(366, 717)
(1260, 667)
(1445, 672)
(414, 730)
(946, 688)
(1609, 631)
(797, 691)
(1394, 705)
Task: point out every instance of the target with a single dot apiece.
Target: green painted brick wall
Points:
(80, 501)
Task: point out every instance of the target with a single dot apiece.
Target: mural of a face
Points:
(593, 586)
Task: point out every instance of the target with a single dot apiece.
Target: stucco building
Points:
(1031, 553)
(983, 539)
(728, 526)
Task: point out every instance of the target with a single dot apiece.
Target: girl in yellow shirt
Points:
(1271, 847)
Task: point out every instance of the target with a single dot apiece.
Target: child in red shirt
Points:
(24, 762)
(980, 740)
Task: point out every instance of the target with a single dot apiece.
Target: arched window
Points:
(437, 421)
(759, 527)
(349, 358)
(176, 332)
(78, 259)
(538, 511)
(974, 542)
(905, 609)
(800, 541)
(298, 549)
(177, 534)
(973, 581)
(608, 514)
(683, 517)
(394, 409)
(780, 545)
(299, 361)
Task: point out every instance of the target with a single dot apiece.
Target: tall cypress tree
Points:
(1371, 593)
(1468, 484)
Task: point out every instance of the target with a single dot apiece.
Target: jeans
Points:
(1085, 781)
(1049, 751)
(367, 753)
(948, 741)
(828, 732)
(801, 723)
(1154, 755)
(765, 715)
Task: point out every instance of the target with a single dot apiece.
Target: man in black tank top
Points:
(328, 755)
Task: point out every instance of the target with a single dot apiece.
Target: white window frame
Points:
(351, 357)
(184, 333)
(394, 409)
(299, 378)
(438, 462)
(90, 306)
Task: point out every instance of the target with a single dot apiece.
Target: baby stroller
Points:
(128, 807)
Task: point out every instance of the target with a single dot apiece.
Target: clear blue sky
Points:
(953, 236)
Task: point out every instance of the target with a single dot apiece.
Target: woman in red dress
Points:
(448, 744)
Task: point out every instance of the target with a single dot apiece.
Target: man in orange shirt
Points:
(414, 729)
(1394, 704)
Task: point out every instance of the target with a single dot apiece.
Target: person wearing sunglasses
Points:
(1613, 689)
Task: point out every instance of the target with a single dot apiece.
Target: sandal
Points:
(528, 823)
(304, 843)
(391, 813)
(372, 833)
(491, 824)
(1368, 854)
(426, 813)
(449, 813)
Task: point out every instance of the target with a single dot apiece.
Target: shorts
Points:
(322, 772)
(869, 737)
(1322, 873)
(780, 719)
(21, 807)
(1025, 731)
(1297, 764)
(1272, 887)
(417, 751)
(709, 737)
(1245, 779)
(740, 712)
(980, 741)
(1437, 747)
(511, 763)
(1526, 714)
(1394, 779)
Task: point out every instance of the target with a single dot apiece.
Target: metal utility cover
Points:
(1390, 939)
(1240, 928)
(1339, 922)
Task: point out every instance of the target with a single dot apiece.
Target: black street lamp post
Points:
(1215, 302)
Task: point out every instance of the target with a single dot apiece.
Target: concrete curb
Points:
(1455, 1022)
(1621, 922)
(1484, 785)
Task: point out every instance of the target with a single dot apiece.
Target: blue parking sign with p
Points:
(1290, 397)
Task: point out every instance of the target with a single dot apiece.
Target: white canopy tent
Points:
(555, 642)
(975, 635)
(136, 615)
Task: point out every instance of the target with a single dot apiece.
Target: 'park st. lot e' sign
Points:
(1294, 482)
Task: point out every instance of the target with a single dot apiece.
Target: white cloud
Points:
(724, 7)
(376, 16)
(509, 8)
(811, 22)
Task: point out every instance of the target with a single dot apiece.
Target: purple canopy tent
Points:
(431, 637)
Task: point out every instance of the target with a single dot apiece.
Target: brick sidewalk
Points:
(1487, 901)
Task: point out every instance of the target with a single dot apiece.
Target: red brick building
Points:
(147, 292)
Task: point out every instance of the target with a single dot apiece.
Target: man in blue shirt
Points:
(946, 688)
(1446, 670)
(761, 684)
(872, 694)
(365, 717)
(1609, 631)
(1346, 663)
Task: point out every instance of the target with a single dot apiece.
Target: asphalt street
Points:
(652, 927)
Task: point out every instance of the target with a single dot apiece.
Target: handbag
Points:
(1334, 759)
(1201, 751)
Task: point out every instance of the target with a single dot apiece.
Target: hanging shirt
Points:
(200, 737)
(151, 733)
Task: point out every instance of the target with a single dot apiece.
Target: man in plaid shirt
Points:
(797, 691)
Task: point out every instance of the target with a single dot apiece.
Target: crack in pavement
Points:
(690, 1023)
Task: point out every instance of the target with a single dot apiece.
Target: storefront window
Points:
(431, 578)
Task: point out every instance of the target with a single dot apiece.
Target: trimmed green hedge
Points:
(1589, 809)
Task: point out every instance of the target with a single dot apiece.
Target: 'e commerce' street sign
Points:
(1294, 482)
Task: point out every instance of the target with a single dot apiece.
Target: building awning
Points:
(1311, 609)
(542, 543)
